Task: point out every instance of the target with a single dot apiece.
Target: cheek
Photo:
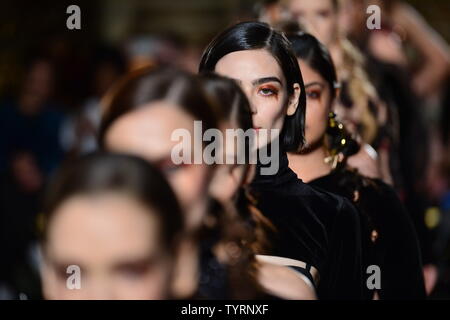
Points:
(222, 186)
(189, 184)
(270, 112)
(316, 121)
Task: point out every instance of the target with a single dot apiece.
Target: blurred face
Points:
(227, 178)
(114, 241)
(264, 84)
(146, 132)
(318, 104)
(352, 17)
(38, 84)
(348, 112)
(319, 17)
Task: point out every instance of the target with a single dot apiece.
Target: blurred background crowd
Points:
(52, 80)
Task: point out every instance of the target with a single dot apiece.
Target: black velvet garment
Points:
(313, 226)
(389, 239)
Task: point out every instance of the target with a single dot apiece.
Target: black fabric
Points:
(312, 226)
(304, 271)
(213, 282)
(396, 249)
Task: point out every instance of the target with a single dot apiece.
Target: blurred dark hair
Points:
(146, 85)
(230, 102)
(258, 35)
(105, 172)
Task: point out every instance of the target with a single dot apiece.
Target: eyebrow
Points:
(142, 262)
(265, 80)
(315, 83)
(60, 265)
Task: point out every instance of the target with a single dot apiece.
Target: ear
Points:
(293, 100)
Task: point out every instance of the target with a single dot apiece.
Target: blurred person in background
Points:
(30, 149)
(140, 115)
(409, 64)
(116, 219)
(79, 133)
(359, 106)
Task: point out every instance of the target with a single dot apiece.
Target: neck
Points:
(310, 165)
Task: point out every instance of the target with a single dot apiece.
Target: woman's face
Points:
(319, 17)
(318, 104)
(147, 132)
(115, 242)
(264, 84)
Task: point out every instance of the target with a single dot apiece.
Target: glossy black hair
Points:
(258, 35)
(306, 47)
(99, 173)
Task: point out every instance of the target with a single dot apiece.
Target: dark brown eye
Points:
(313, 94)
(324, 13)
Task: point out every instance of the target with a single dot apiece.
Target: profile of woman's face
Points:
(319, 17)
(263, 82)
(147, 132)
(114, 241)
(318, 104)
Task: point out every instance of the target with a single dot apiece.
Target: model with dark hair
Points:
(389, 240)
(316, 231)
(115, 219)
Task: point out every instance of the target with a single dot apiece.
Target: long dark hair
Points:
(104, 172)
(258, 35)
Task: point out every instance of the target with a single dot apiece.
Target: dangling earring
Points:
(337, 140)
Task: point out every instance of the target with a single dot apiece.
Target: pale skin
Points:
(317, 16)
(264, 84)
(115, 240)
